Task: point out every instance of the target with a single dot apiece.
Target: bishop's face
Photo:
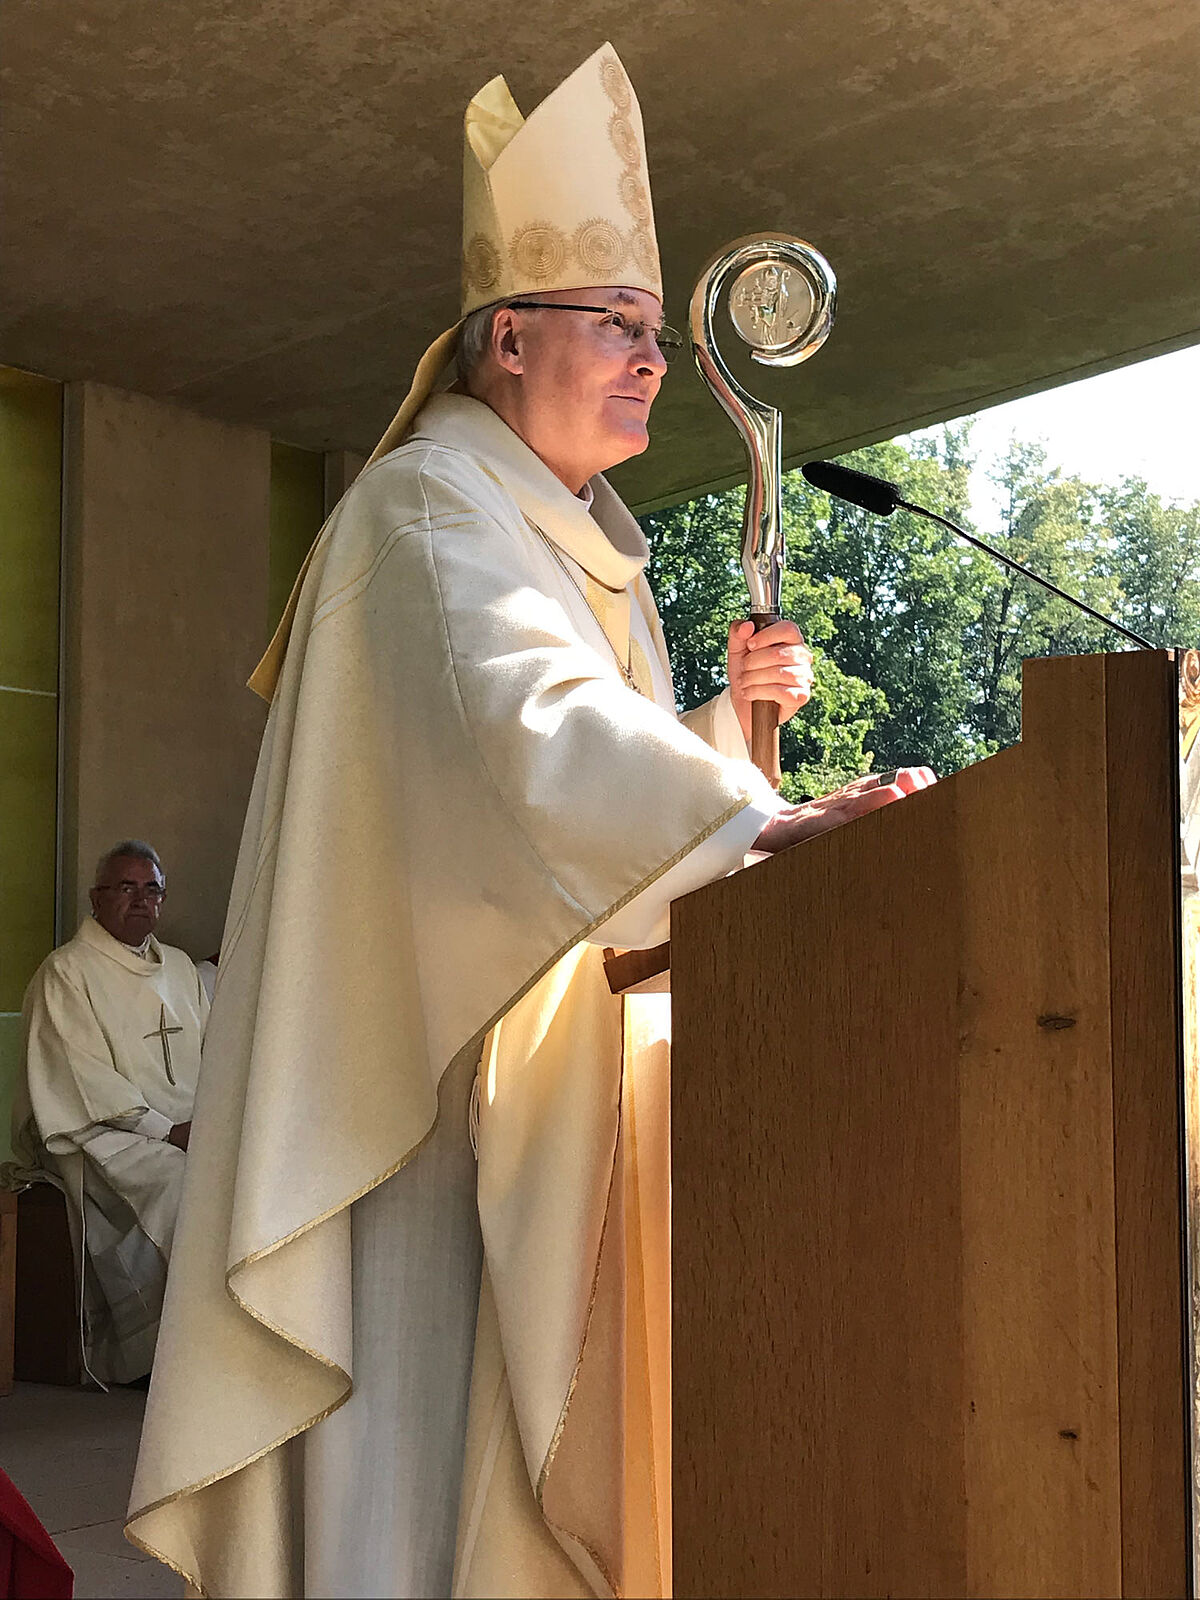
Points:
(586, 387)
(127, 902)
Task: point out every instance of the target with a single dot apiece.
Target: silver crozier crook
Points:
(781, 303)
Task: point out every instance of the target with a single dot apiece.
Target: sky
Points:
(1141, 421)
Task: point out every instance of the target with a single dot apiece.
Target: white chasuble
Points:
(460, 796)
(112, 1054)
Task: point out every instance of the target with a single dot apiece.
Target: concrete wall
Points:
(166, 566)
(341, 469)
(30, 515)
(305, 487)
(297, 512)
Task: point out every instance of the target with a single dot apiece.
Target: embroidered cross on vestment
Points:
(161, 1034)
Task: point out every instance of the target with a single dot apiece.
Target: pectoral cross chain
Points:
(161, 1033)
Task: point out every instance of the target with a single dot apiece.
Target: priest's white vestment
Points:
(384, 1369)
(112, 1054)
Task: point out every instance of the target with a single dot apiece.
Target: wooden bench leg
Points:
(46, 1343)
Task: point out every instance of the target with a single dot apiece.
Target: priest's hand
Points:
(775, 664)
(793, 824)
(179, 1135)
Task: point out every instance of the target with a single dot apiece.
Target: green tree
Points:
(919, 640)
(918, 591)
(1051, 525)
(1155, 554)
(695, 572)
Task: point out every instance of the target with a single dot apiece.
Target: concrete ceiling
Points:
(251, 206)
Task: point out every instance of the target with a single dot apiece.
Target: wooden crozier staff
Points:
(782, 294)
(781, 302)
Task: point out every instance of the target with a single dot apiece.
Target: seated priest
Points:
(113, 1022)
(415, 1340)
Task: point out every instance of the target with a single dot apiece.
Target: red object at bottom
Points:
(30, 1565)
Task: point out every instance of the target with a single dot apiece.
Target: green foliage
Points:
(918, 589)
(918, 638)
(695, 572)
(1155, 556)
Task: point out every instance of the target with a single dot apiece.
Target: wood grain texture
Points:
(900, 1319)
(639, 971)
(764, 740)
(1036, 1195)
(817, 1268)
(1142, 704)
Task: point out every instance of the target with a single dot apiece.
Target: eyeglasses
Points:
(621, 328)
(150, 891)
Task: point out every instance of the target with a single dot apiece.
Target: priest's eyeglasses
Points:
(128, 891)
(617, 324)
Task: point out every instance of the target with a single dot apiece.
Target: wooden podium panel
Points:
(928, 1289)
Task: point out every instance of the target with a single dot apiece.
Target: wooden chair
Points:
(45, 1323)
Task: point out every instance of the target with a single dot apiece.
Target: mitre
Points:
(558, 200)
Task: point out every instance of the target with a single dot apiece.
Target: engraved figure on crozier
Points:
(759, 307)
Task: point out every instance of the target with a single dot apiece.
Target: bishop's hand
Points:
(775, 664)
(793, 824)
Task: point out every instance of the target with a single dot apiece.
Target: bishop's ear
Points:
(507, 340)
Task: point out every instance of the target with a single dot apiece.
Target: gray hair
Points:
(475, 336)
(137, 848)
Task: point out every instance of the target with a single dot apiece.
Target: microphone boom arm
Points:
(1025, 572)
(881, 497)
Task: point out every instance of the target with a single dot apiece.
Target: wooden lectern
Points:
(929, 1219)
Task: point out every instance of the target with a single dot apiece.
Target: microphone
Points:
(881, 498)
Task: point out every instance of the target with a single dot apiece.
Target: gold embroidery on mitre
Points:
(600, 247)
(625, 141)
(645, 250)
(481, 264)
(538, 252)
(615, 83)
(634, 197)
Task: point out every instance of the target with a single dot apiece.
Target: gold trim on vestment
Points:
(306, 1227)
(635, 1184)
(264, 680)
(422, 524)
(267, 853)
(217, 1477)
(498, 1016)
(269, 849)
(157, 1555)
(628, 676)
(287, 1338)
(552, 1449)
(477, 1038)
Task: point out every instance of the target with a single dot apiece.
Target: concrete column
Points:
(165, 591)
(341, 469)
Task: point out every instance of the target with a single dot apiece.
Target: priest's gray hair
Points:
(475, 335)
(473, 339)
(137, 848)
